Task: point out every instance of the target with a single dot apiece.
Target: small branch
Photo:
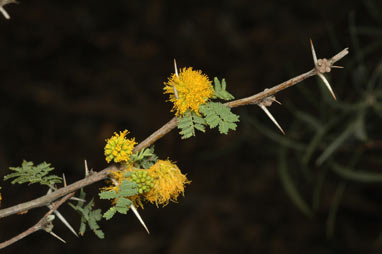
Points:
(49, 198)
(101, 175)
(39, 225)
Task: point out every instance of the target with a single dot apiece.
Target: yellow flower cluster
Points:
(166, 182)
(118, 148)
(188, 90)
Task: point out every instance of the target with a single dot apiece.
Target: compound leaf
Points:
(218, 114)
(28, 173)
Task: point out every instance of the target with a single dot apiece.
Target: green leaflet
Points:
(108, 194)
(217, 114)
(214, 114)
(89, 216)
(110, 213)
(28, 173)
(123, 203)
(188, 123)
(220, 90)
(145, 158)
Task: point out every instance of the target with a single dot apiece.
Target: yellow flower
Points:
(188, 90)
(119, 148)
(160, 184)
(168, 183)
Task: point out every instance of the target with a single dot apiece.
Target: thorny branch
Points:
(41, 224)
(103, 174)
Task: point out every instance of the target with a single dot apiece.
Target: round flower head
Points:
(168, 183)
(188, 90)
(119, 148)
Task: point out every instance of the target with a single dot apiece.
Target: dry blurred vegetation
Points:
(72, 73)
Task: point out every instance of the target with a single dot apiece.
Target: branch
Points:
(101, 175)
(244, 101)
(44, 200)
(41, 224)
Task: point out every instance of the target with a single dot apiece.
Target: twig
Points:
(44, 200)
(101, 175)
(254, 99)
(39, 225)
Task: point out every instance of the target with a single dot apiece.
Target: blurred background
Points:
(72, 73)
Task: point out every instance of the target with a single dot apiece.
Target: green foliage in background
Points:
(335, 143)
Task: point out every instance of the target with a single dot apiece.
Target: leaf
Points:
(330, 149)
(127, 189)
(218, 114)
(123, 205)
(89, 216)
(290, 186)
(356, 175)
(145, 158)
(107, 194)
(123, 202)
(199, 122)
(220, 90)
(188, 123)
(110, 213)
(330, 223)
(275, 136)
(309, 119)
(28, 173)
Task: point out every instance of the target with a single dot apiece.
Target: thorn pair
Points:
(60, 216)
(322, 66)
(49, 225)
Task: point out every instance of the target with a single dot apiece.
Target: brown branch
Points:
(44, 200)
(41, 224)
(101, 175)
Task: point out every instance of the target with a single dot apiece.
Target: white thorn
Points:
(274, 99)
(327, 84)
(59, 238)
(77, 199)
(271, 117)
(132, 207)
(86, 168)
(63, 177)
(66, 223)
(177, 74)
(337, 67)
(176, 68)
(313, 53)
(115, 182)
(175, 92)
(4, 12)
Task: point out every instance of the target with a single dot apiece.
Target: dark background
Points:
(73, 72)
